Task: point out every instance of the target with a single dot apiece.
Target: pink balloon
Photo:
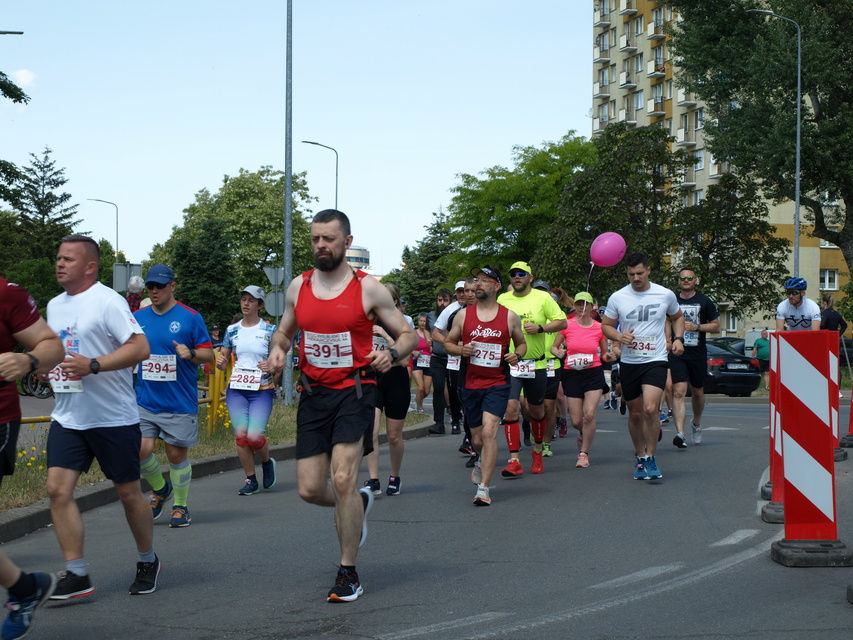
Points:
(607, 249)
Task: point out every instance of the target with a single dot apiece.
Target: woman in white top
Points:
(251, 388)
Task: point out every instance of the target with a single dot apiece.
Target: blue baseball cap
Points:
(160, 273)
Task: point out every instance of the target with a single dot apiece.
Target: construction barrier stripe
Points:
(809, 385)
(809, 477)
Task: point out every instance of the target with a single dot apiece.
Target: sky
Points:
(146, 103)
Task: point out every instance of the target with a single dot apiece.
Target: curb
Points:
(16, 523)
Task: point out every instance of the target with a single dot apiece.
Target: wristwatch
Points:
(394, 354)
(678, 338)
(192, 353)
(34, 362)
(541, 329)
(95, 366)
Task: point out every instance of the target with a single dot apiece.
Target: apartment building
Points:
(634, 82)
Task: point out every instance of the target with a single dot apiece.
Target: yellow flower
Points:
(29, 464)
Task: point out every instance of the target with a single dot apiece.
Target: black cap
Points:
(489, 271)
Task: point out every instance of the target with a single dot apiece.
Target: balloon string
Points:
(588, 279)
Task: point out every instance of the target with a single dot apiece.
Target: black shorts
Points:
(392, 393)
(577, 383)
(634, 376)
(8, 444)
(534, 388)
(476, 402)
(764, 365)
(326, 417)
(552, 384)
(688, 369)
(115, 448)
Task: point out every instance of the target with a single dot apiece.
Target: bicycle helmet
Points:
(796, 283)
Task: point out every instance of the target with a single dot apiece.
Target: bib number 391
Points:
(328, 350)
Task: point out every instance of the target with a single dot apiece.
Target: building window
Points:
(605, 7)
(639, 101)
(698, 196)
(605, 41)
(826, 244)
(602, 112)
(604, 76)
(829, 279)
(731, 321)
(667, 89)
(700, 118)
(638, 63)
(638, 26)
(699, 159)
(668, 125)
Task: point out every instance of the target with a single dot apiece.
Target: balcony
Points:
(684, 98)
(717, 169)
(627, 7)
(600, 19)
(654, 31)
(598, 125)
(685, 138)
(600, 56)
(627, 43)
(626, 80)
(688, 178)
(655, 69)
(655, 108)
(600, 91)
(628, 116)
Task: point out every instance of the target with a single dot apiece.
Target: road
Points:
(573, 553)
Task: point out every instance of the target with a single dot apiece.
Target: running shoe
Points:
(536, 466)
(622, 406)
(249, 488)
(583, 461)
(465, 447)
(679, 441)
(21, 612)
(640, 470)
(652, 470)
(347, 587)
(513, 469)
(394, 484)
(146, 577)
(268, 468)
(482, 499)
(697, 433)
(546, 449)
(564, 427)
(437, 429)
(527, 441)
(606, 405)
(477, 473)
(157, 499)
(471, 461)
(663, 417)
(454, 429)
(374, 485)
(180, 517)
(71, 585)
(614, 402)
(367, 499)
(579, 440)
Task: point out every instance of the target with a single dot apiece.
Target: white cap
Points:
(255, 292)
(460, 284)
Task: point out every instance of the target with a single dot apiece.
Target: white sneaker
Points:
(477, 473)
(482, 498)
(697, 433)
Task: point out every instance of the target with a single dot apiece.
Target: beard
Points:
(328, 262)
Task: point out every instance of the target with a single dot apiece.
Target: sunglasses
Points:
(518, 274)
(793, 292)
(686, 278)
(155, 285)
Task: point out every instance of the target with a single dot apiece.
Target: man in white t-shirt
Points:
(797, 311)
(641, 309)
(96, 415)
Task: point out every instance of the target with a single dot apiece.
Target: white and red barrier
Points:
(804, 433)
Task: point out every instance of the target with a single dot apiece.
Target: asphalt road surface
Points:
(572, 553)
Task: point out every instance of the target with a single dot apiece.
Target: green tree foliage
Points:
(9, 173)
(38, 276)
(496, 218)
(249, 209)
(425, 267)
(13, 241)
(629, 190)
(44, 215)
(744, 67)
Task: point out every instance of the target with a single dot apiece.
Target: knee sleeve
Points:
(241, 439)
(257, 443)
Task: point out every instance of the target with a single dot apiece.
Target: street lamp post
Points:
(116, 206)
(336, 165)
(766, 12)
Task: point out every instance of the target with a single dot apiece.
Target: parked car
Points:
(738, 344)
(729, 371)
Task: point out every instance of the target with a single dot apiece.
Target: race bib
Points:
(246, 379)
(691, 338)
(524, 369)
(579, 361)
(642, 346)
(160, 368)
(486, 354)
(328, 350)
(423, 361)
(379, 343)
(453, 363)
(61, 382)
(550, 368)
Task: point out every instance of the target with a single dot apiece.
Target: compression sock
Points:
(538, 434)
(181, 474)
(513, 437)
(24, 587)
(150, 469)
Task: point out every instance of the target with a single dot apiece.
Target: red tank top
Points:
(486, 366)
(337, 335)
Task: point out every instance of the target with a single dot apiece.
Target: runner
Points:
(167, 391)
(442, 386)
(421, 362)
(641, 309)
(251, 388)
(481, 334)
(797, 311)
(335, 307)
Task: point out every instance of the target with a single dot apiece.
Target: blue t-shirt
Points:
(185, 326)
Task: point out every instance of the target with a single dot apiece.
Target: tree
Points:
(249, 209)
(9, 173)
(744, 67)
(425, 267)
(13, 241)
(38, 276)
(496, 219)
(44, 214)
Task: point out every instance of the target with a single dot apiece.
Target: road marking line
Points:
(737, 537)
(443, 626)
(720, 429)
(645, 574)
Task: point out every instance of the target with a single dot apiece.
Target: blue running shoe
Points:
(268, 468)
(652, 470)
(640, 470)
(157, 499)
(180, 517)
(21, 612)
(250, 487)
